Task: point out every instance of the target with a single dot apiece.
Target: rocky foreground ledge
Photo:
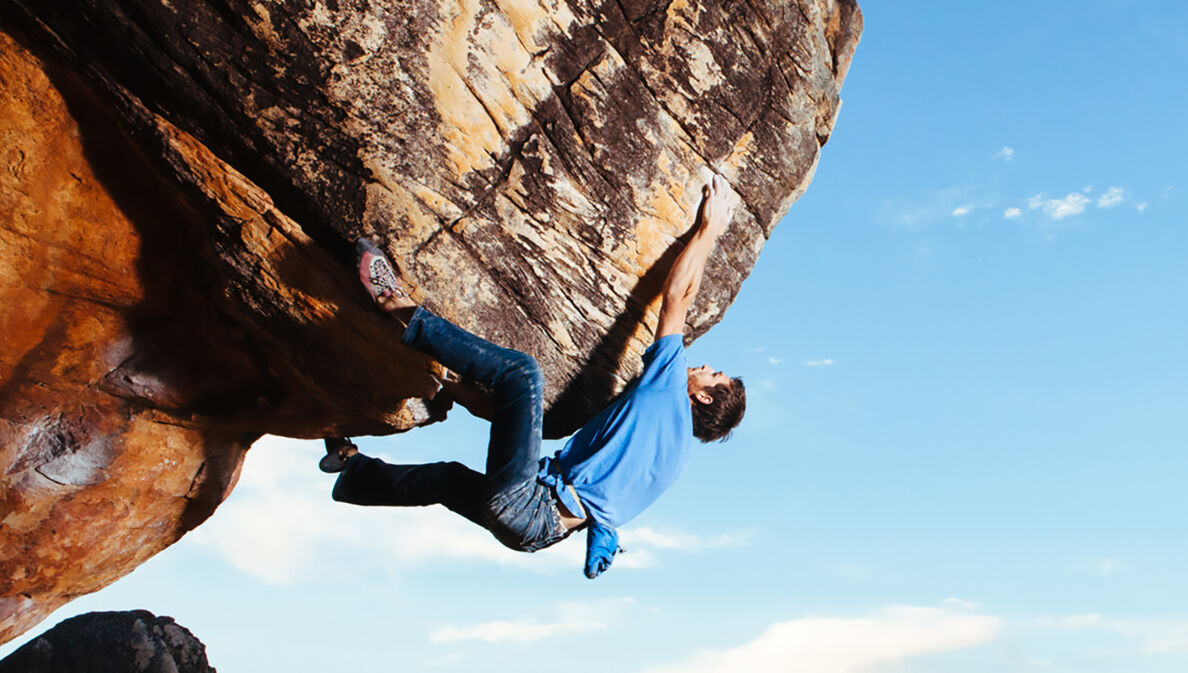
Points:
(180, 182)
(135, 641)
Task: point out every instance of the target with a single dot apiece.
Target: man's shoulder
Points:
(666, 343)
(664, 361)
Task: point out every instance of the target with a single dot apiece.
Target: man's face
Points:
(702, 378)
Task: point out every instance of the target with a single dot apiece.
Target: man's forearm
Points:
(684, 278)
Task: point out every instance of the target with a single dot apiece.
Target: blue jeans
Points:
(507, 500)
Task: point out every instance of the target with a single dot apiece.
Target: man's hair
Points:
(715, 420)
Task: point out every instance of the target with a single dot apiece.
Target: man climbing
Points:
(608, 472)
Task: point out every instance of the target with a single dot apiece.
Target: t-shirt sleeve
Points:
(664, 363)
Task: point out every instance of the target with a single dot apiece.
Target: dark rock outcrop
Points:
(180, 182)
(111, 642)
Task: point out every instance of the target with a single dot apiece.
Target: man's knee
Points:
(525, 368)
(455, 470)
(356, 480)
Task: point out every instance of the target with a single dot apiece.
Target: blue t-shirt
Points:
(632, 451)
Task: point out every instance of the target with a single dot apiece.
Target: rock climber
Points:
(609, 471)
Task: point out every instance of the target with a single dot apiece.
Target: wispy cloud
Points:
(932, 205)
(961, 210)
(1112, 197)
(1152, 636)
(1155, 636)
(1141, 207)
(569, 618)
(680, 540)
(775, 361)
(1108, 567)
(961, 603)
(1005, 154)
(827, 362)
(281, 527)
(1074, 203)
(846, 645)
(855, 571)
(643, 545)
(1070, 622)
(1058, 209)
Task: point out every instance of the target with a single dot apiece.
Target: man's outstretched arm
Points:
(684, 278)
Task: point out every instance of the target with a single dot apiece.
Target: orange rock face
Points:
(79, 461)
(128, 394)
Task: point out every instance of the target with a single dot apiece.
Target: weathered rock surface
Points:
(180, 182)
(111, 642)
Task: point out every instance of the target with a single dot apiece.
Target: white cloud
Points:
(643, 544)
(1152, 636)
(1155, 637)
(1141, 207)
(680, 540)
(934, 205)
(1112, 197)
(961, 210)
(961, 603)
(1012, 213)
(1058, 209)
(1006, 154)
(281, 527)
(916, 216)
(827, 362)
(841, 645)
(775, 361)
(570, 618)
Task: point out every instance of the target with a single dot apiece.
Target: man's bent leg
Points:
(371, 481)
(517, 390)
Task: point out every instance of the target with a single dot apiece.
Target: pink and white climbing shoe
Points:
(376, 272)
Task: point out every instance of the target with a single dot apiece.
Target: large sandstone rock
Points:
(111, 642)
(180, 182)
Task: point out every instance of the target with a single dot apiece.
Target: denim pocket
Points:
(525, 518)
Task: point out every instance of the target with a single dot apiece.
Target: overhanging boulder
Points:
(182, 180)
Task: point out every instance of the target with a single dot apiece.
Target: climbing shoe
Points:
(338, 449)
(376, 272)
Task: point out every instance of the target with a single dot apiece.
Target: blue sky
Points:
(967, 427)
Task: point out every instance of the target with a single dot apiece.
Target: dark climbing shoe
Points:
(335, 460)
(376, 272)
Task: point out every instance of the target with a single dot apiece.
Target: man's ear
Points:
(703, 397)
